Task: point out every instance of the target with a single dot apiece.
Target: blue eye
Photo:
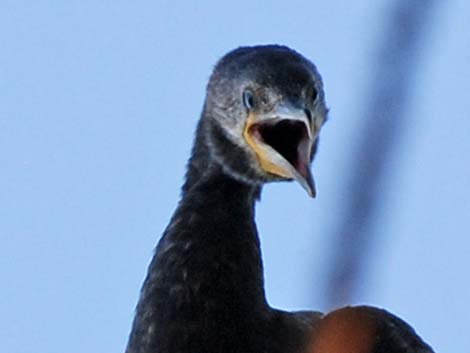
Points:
(248, 99)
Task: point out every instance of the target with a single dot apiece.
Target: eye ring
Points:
(248, 99)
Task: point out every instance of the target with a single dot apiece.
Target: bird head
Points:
(267, 103)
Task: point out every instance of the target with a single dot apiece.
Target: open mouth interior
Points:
(285, 136)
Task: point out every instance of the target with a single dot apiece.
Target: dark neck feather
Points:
(200, 158)
(204, 286)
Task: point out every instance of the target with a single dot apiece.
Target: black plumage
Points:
(204, 291)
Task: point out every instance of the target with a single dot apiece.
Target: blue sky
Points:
(98, 102)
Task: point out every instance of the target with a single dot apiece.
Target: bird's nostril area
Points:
(308, 113)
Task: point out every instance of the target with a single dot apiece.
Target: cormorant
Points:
(204, 291)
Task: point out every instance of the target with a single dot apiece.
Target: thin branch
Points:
(384, 121)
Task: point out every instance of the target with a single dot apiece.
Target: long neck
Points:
(206, 275)
(215, 230)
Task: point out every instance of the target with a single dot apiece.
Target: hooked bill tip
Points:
(312, 189)
(307, 182)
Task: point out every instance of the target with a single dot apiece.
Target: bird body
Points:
(204, 291)
(205, 285)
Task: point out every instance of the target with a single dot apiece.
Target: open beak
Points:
(282, 141)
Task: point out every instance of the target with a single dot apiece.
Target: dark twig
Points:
(383, 122)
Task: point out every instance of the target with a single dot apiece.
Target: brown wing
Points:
(364, 329)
